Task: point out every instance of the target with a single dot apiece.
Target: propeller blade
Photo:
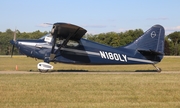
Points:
(13, 42)
(12, 51)
(48, 23)
(14, 39)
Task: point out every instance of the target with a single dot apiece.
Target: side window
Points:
(59, 42)
(72, 43)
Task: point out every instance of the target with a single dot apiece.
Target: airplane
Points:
(65, 45)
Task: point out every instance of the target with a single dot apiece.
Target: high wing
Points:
(64, 30)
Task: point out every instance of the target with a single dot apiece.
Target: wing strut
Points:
(53, 54)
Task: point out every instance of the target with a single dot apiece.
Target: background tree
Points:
(5, 37)
(175, 39)
(172, 41)
(167, 45)
(116, 39)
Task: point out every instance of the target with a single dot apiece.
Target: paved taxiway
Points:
(28, 72)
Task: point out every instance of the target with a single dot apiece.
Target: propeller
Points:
(12, 51)
(13, 42)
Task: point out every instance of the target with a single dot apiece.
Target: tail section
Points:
(151, 40)
(151, 43)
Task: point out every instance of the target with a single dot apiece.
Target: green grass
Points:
(74, 90)
(26, 64)
(89, 90)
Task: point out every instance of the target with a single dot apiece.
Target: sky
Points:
(96, 16)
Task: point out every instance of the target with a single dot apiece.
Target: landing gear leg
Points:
(157, 68)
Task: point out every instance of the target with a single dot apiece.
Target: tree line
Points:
(5, 37)
(171, 44)
(172, 41)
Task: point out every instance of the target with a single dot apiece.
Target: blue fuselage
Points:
(87, 52)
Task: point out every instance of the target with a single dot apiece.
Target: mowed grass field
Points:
(103, 89)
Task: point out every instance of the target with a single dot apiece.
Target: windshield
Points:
(47, 35)
(49, 38)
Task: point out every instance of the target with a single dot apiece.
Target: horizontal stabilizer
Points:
(150, 52)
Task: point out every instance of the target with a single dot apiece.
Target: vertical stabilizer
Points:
(152, 40)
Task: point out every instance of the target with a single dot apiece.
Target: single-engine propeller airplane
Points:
(65, 44)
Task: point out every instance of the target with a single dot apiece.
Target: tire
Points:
(43, 71)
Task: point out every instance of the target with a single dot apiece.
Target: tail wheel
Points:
(157, 68)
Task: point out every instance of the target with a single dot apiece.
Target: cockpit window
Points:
(71, 43)
(48, 38)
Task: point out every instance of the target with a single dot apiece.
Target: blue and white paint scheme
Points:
(65, 44)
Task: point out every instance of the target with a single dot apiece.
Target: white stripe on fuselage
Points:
(141, 60)
(81, 51)
(65, 49)
(27, 43)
